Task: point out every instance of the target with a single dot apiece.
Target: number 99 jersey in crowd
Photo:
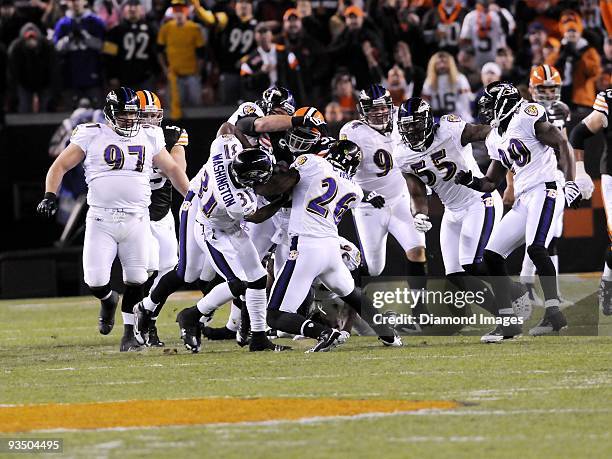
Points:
(320, 198)
(518, 149)
(437, 165)
(110, 158)
(377, 171)
(222, 204)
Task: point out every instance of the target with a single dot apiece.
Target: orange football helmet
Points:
(151, 111)
(545, 84)
(301, 139)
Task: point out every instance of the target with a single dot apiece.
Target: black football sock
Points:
(132, 295)
(500, 281)
(546, 271)
(417, 280)
(295, 324)
(364, 307)
(167, 285)
(206, 286)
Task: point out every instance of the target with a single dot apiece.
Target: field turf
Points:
(531, 398)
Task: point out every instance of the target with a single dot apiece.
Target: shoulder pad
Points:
(531, 110)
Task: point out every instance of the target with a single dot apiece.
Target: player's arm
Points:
(172, 170)
(373, 198)
(420, 206)
(474, 133)
(67, 159)
(588, 127)
(228, 128)
(279, 183)
(549, 135)
(265, 212)
(494, 176)
(508, 197)
(253, 125)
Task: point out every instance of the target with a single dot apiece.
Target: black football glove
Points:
(48, 206)
(172, 134)
(375, 199)
(466, 178)
(573, 196)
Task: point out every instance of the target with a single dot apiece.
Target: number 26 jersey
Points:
(118, 168)
(518, 149)
(321, 197)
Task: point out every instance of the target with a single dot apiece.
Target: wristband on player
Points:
(579, 134)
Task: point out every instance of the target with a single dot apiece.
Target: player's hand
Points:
(572, 194)
(375, 199)
(172, 134)
(584, 181)
(48, 206)
(422, 223)
(464, 178)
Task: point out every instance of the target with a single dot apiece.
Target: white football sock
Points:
(256, 305)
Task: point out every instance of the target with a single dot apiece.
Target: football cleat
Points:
(142, 323)
(106, 317)
(329, 340)
(552, 322)
(217, 334)
(129, 343)
(153, 338)
(533, 296)
(391, 341)
(189, 331)
(523, 306)
(501, 333)
(260, 342)
(605, 297)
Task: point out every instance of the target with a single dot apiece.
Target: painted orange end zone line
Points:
(158, 413)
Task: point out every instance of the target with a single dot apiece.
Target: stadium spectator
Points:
(181, 47)
(446, 89)
(504, 57)
(605, 79)
(272, 10)
(310, 53)
(311, 23)
(578, 62)
(466, 64)
(32, 65)
(397, 85)
(270, 64)
(539, 42)
(232, 37)
(359, 49)
(345, 94)
(131, 50)
(486, 29)
(442, 26)
(10, 22)
(490, 73)
(109, 11)
(413, 74)
(79, 39)
(545, 12)
(409, 14)
(52, 14)
(334, 118)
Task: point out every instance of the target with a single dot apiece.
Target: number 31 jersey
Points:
(118, 168)
(377, 171)
(321, 197)
(437, 166)
(518, 149)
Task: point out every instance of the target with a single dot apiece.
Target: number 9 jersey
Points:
(377, 171)
(321, 197)
(518, 149)
(118, 168)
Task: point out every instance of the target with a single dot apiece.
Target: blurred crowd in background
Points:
(197, 53)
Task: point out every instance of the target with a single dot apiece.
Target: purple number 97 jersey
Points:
(531, 162)
(321, 197)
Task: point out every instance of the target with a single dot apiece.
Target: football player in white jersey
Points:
(523, 141)
(387, 210)
(545, 89)
(224, 204)
(430, 155)
(322, 191)
(118, 159)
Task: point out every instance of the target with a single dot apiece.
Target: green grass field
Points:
(530, 398)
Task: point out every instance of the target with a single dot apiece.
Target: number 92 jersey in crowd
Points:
(438, 164)
(320, 198)
(518, 149)
(111, 159)
(161, 188)
(377, 171)
(222, 204)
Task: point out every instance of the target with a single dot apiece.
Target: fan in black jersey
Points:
(130, 48)
(442, 25)
(600, 120)
(164, 247)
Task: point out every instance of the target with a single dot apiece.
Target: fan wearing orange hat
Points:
(578, 62)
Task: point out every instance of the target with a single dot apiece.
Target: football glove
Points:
(375, 199)
(171, 136)
(584, 181)
(422, 223)
(466, 178)
(48, 206)
(572, 194)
